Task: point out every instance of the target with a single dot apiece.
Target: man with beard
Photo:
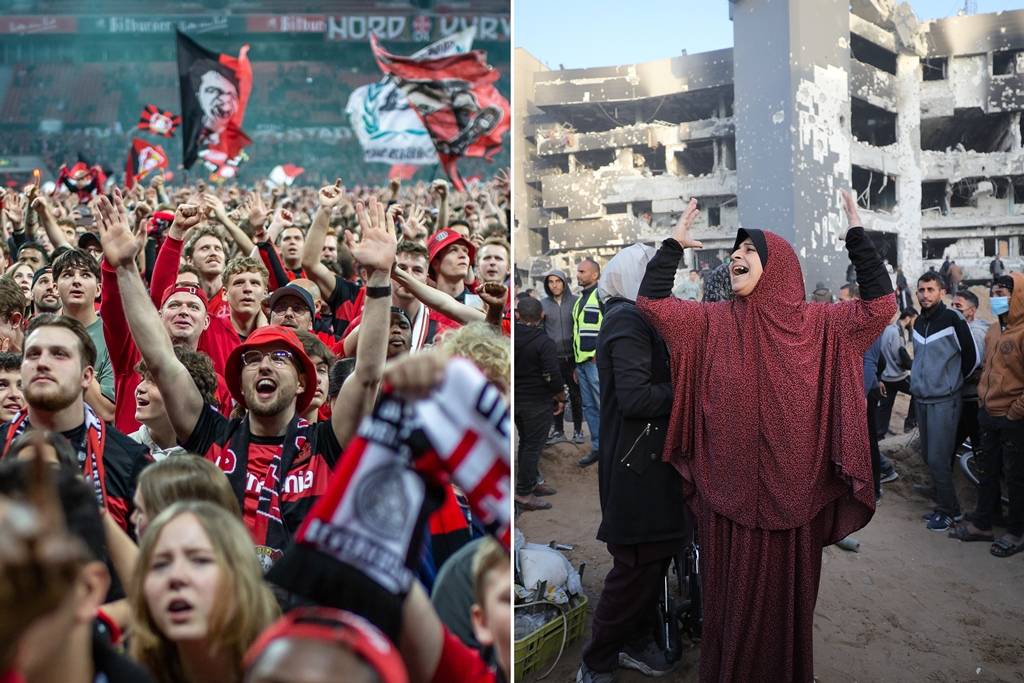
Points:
(183, 314)
(77, 278)
(44, 293)
(278, 463)
(57, 369)
(587, 315)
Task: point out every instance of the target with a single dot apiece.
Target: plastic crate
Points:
(540, 647)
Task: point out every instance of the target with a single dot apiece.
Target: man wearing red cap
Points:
(451, 255)
(277, 463)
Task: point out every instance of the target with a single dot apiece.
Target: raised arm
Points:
(439, 188)
(330, 196)
(375, 250)
(865, 318)
(655, 298)
(437, 300)
(213, 203)
(119, 248)
(53, 231)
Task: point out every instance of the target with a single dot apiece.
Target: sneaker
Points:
(891, 475)
(587, 460)
(585, 675)
(939, 522)
(577, 438)
(556, 437)
(958, 517)
(649, 660)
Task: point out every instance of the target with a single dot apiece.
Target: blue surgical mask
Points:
(999, 304)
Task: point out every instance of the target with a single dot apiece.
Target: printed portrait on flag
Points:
(214, 92)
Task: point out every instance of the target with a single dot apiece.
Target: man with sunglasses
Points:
(277, 462)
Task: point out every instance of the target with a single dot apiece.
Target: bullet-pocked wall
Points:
(923, 119)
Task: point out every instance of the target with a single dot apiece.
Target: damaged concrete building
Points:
(922, 119)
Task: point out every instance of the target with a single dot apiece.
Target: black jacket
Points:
(641, 496)
(537, 376)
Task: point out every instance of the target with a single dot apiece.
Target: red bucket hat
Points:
(272, 334)
(445, 238)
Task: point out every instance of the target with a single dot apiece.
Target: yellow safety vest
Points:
(586, 323)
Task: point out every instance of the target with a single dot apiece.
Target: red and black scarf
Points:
(269, 530)
(90, 452)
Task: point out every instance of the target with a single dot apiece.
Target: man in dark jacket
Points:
(537, 381)
(643, 516)
(944, 356)
(558, 325)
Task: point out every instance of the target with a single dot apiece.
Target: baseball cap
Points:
(188, 289)
(89, 239)
(444, 238)
(272, 334)
(295, 291)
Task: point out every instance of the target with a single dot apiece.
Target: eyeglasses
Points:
(279, 358)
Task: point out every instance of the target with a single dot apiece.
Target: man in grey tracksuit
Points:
(558, 325)
(944, 356)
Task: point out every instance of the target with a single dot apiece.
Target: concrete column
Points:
(908, 181)
(792, 111)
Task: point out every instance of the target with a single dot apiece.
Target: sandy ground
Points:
(912, 605)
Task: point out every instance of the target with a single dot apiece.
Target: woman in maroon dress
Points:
(768, 433)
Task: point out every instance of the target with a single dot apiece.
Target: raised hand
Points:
(850, 209)
(681, 233)
(493, 294)
(331, 195)
(120, 245)
(214, 206)
(186, 217)
(376, 248)
(41, 208)
(439, 188)
(14, 208)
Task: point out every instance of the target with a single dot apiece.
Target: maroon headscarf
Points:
(769, 420)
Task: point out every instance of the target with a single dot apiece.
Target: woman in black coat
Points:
(643, 517)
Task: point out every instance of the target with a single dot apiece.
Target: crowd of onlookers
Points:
(254, 435)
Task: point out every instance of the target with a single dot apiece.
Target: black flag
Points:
(214, 92)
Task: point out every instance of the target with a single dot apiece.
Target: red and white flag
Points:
(285, 174)
(456, 99)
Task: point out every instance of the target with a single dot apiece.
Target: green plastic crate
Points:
(537, 649)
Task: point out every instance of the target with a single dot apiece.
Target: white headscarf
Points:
(623, 274)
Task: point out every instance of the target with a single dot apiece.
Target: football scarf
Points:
(91, 458)
(358, 544)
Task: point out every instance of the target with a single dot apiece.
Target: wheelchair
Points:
(680, 612)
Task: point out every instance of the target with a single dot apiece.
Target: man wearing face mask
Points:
(1001, 421)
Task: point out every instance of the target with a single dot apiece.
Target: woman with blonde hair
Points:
(481, 343)
(181, 477)
(198, 597)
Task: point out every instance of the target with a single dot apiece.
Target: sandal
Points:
(1004, 547)
(967, 535)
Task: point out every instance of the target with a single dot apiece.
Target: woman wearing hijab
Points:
(642, 508)
(774, 451)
